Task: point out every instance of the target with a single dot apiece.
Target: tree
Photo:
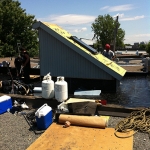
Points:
(142, 46)
(148, 48)
(104, 29)
(16, 27)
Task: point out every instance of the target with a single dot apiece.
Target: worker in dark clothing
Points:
(25, 65)
(17, 63)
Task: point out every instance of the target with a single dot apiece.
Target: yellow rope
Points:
(136, 121)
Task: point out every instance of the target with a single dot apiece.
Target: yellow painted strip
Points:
(107, 62)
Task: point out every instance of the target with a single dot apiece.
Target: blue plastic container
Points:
(44, 117)
(5, 103)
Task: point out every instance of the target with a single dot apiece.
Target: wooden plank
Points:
(115, 114)
(76, 100)
(34, 102)
(34, 76)
(81, 138)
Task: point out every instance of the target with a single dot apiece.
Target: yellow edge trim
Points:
(107, 62)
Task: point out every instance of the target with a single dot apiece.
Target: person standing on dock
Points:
(25, 65)
(17, 63)
(108, 53)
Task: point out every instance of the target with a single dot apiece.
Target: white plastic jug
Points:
(47, 87)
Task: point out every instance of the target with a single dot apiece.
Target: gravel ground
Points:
(140, 140)
(15, 133)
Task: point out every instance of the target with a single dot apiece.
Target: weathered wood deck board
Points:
(74, 137)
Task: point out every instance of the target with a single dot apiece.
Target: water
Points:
(132, 92)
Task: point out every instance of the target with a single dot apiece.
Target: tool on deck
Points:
(9, 73)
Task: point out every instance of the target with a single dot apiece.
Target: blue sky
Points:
(77, 16)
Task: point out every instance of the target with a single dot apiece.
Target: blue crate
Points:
(5, 103)
(44, 117)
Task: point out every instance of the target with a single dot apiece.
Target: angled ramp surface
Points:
(104, 63)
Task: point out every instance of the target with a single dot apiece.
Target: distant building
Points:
(128, 47)
(142, 43)
(136, 45)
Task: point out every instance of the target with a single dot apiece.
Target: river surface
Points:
(132, 92)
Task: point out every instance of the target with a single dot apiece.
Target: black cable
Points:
(29, 118)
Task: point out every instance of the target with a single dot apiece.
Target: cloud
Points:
(142, 35)
(84, 29)
(88, 41)
(80, 30)
(69, 19)
(137, 38)
(120, 15)
(118, 8)
(123, 18)
(105, 7)
(132, 18)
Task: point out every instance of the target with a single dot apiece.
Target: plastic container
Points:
(47, 87)
(103, 102)
(44, 117)
(88, 93)
(37, 89)
(63, 107)
(61, 89)
(5, 103)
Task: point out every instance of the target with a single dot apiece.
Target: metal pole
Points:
(115, 33)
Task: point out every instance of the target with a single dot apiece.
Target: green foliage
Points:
(142, 46)
(98, 47)
(16, 25)
(33, 52)
(148, 48)
(104, 28)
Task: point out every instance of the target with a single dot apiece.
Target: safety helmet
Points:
(107, 46)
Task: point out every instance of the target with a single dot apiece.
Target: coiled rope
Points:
(136, 121)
